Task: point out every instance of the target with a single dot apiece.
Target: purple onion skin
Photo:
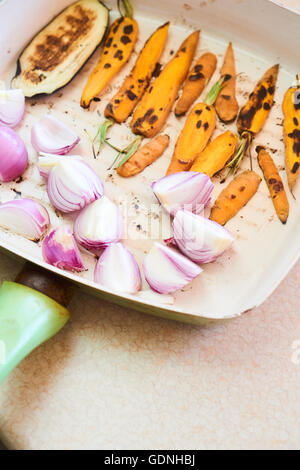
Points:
(57, 255)
(13, 155)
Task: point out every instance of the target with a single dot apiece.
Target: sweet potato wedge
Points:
(275, 184)
(237, 194)
(215, 156)
(197, 80)
(194, 137)
(144, 157)
(227, 106)
(156, 104)
(135, 85)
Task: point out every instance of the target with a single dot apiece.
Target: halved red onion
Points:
(72, 185)
(168, 271)
(12, 107)
(99, 225)
(200, 239)
(47, 162)
(24, 217)
(186, 190)
(118, 271)
(50, 135)
(60, 250)
(13, 155)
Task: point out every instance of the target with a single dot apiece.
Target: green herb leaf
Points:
(215, 91)
(130, 150)
(102, 132)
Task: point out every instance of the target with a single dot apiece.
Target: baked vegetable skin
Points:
(275, 184)
(117, 50)
(254, 114)
(194, 137)
(291, 110)
(196, 81)
(144, 157)
(156, 104)
(135, 85)
(237, 194)
(227, 106)
(215, 156)
(58, 52)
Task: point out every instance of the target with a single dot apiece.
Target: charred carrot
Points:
(215, 156)
(291, 110)
(226, 105)
(197, 132)
(145, 156)
(197, 80)
(135, 85)
(237, 194)
(254, 114)
(117, 50)
(194, 137)
(275, 184)
(156, 104)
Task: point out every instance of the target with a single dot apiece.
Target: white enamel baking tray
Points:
(265, 250)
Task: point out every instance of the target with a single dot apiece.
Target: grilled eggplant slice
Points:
(59, 51)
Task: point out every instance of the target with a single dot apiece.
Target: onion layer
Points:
(200, 239)
(167, 271)
(72, 185)
(118, 271)
(60, 250)
(25, 217)
(186, 190)
(13, 155)
(12, 107)
(47, 162)
(99, 225)
(50, 135)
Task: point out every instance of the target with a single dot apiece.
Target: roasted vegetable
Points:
(226, 105)
(156, 104)
(197, 80)
(135, 85)
(117, 50)
(193, 139)
(237, 194)
(59, 51)
(275, 184)
(254, 114)
(291, 110)
(145, 156)
(215, 156)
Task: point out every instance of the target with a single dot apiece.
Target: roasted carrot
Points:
(291, 110)
(135, 85)
(144, 157)
(197, 80)
(215, 156)
(226, 105)
(156, 104)
(237, 194)
(275, 184)
(194, 137)
(117, 50)
(254, 114)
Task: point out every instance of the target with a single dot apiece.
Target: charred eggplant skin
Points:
(56, 54)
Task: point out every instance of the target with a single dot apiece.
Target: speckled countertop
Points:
(116, 379)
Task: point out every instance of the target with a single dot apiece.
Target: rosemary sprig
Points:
(92, 142)
(102, 132)
(216, 90)
(234, 164)
(130, 150)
